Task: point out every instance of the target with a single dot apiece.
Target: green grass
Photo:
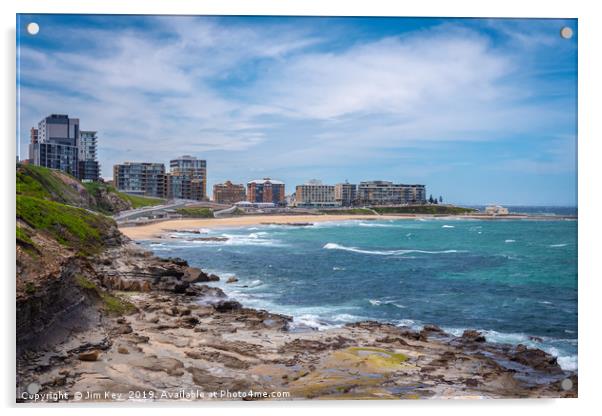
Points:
(115, 305)
(140, 201)
(94, 188)
(30, 288)
(85, 283)
(424, 209)
(196, 212)
(24, 236)
(111, 304)
(73, 227)
(348, 211)
(43, 183)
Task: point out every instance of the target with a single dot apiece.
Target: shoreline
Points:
(152, 230)
(182, 334)
(321, 323)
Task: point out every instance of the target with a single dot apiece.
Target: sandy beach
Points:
(149, 231)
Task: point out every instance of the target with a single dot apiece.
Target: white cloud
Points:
(196, 85)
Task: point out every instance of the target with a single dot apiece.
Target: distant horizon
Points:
(474, 109)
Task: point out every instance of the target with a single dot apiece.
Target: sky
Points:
(479, 110)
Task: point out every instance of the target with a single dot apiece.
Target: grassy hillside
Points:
(196, 212)
(58, 206)
(72, 227)
(43, 183)
(141, 201)
(57, 186)
(98, 188)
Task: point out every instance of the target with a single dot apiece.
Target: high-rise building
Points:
(54, 144)
(187, 178)
(89, 168)
(314, 194)
(228, 193)
(140, 178)
(266, 190)
(345, 194)
(388, 193)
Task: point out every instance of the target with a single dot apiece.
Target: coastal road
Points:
(133, 214)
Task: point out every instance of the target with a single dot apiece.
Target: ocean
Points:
(514, 280)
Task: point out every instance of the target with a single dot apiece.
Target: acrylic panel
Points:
(291, 208)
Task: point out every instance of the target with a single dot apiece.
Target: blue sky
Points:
(478, 110)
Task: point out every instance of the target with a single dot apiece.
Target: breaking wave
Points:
(334, 246)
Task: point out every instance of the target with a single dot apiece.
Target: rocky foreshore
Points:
(151, 329)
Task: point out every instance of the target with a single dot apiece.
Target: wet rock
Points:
(176, 260)
(227, 306)
(471, 335)
(535, 358)
(189, 322)
(194, 275)
(392, 340)
(432, 328)
(213, 278)
(180, 287)
(93, 355)
(232, 279)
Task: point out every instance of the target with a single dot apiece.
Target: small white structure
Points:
(496, 210)
(247, 204)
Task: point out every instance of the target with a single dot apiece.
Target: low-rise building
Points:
(187, 178)
(266, 190)
(228, 193)
(496, 210)
(345, 194)
(140, 178)
(314, 194)
(388, 193)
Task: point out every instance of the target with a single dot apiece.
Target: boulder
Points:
(227, 306)
(535, 358)
(471, 335)
(89, 355)
(213, 278)
(232, 279)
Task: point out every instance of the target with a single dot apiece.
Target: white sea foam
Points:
(448, 226)
(378, 302)
(252, 239)
(509, 241)
(311, 321)
(376, 224)
(334, 246)
(336, 268)
(557, 245)
(566, 362)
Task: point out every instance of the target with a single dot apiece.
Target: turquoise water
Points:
(512, 279)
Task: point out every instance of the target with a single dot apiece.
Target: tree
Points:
(431, 199)
(440, 198)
